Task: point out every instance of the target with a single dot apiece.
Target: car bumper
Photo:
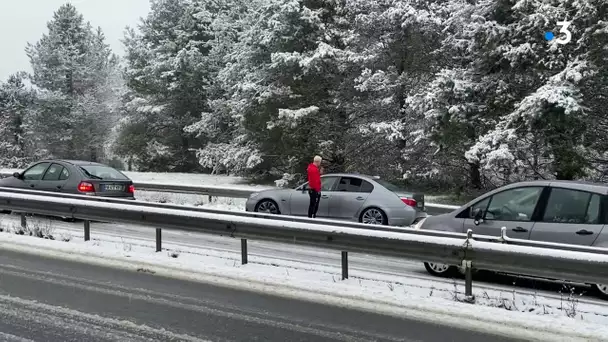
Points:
(250, 205)
(404, 217)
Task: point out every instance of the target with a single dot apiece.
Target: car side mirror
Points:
(478, 216)
(17, 175)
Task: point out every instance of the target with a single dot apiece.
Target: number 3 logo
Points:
(564, 30)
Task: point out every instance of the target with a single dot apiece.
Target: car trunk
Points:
(415, 200)
(110, 187)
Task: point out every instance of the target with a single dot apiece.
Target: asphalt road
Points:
(55, 300)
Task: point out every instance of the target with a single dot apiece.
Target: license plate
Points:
(419, 204)
(113, 187)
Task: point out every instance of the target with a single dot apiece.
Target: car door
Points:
(300, 200)
(31, 177)
(512, 208)
(54, 178)
(351, 192)
(570, 216)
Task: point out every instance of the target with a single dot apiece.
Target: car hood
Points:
(443, 222)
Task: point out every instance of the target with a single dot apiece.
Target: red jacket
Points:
(314, 177)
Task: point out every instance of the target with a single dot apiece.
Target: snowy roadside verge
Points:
(498, 312)
(223, 203)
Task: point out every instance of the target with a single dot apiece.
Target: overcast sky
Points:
(23, 21)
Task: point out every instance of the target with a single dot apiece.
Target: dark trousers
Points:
(315, 197)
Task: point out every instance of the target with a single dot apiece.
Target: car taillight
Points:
(131, 189)
(409, 201)
(86, 187)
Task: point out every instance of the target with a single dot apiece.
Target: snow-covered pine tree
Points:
(279, 90)
(547, 132)
(72, 66)
(508, 105)
(16, 101)
(390, 48)
(169, 75)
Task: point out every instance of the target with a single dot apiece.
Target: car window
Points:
(572, 206)
(327, 183)
(102, 172)
(52, 173)
(366, 186)
(65, 174)
(350, 184)
(35, 172)
(514, 204)
(481, 205)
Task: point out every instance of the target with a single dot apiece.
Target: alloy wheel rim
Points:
(267, 207)
(439, 268)
(372, 216)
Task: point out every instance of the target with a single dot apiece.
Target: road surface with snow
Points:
(381, 265)
(45, 299)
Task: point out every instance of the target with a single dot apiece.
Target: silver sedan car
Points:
(558, 211)
(353, 197)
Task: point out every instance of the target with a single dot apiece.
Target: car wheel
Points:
(440, 270)
(267, 206)
(601, 289)
(373, 216)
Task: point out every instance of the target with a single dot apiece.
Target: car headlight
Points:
(254, 195)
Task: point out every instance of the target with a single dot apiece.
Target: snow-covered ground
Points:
(223, 203)
(528, 316)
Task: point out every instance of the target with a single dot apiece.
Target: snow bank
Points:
(528, 317)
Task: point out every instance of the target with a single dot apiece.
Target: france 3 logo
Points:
(565, 35)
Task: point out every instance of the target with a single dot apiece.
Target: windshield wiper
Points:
(88, 174)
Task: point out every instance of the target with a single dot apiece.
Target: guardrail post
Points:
(23, 221)
(87, 230)
(159, 246)
(344, 265)
(244, 251)
(468, 272)
(468, 279)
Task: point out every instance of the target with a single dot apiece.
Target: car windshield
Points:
(102, 172)
(392, 187)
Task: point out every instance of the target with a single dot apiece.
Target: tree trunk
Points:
(475, 175)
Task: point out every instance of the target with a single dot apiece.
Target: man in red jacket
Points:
(314, 186)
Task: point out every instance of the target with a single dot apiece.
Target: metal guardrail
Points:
(234, 192)
(590, 266)
(286, 218)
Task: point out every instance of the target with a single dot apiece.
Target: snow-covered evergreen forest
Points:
(456, 94)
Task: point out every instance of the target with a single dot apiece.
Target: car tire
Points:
(601, 290)
(373, 215)
(267, 206)
(440, 270)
